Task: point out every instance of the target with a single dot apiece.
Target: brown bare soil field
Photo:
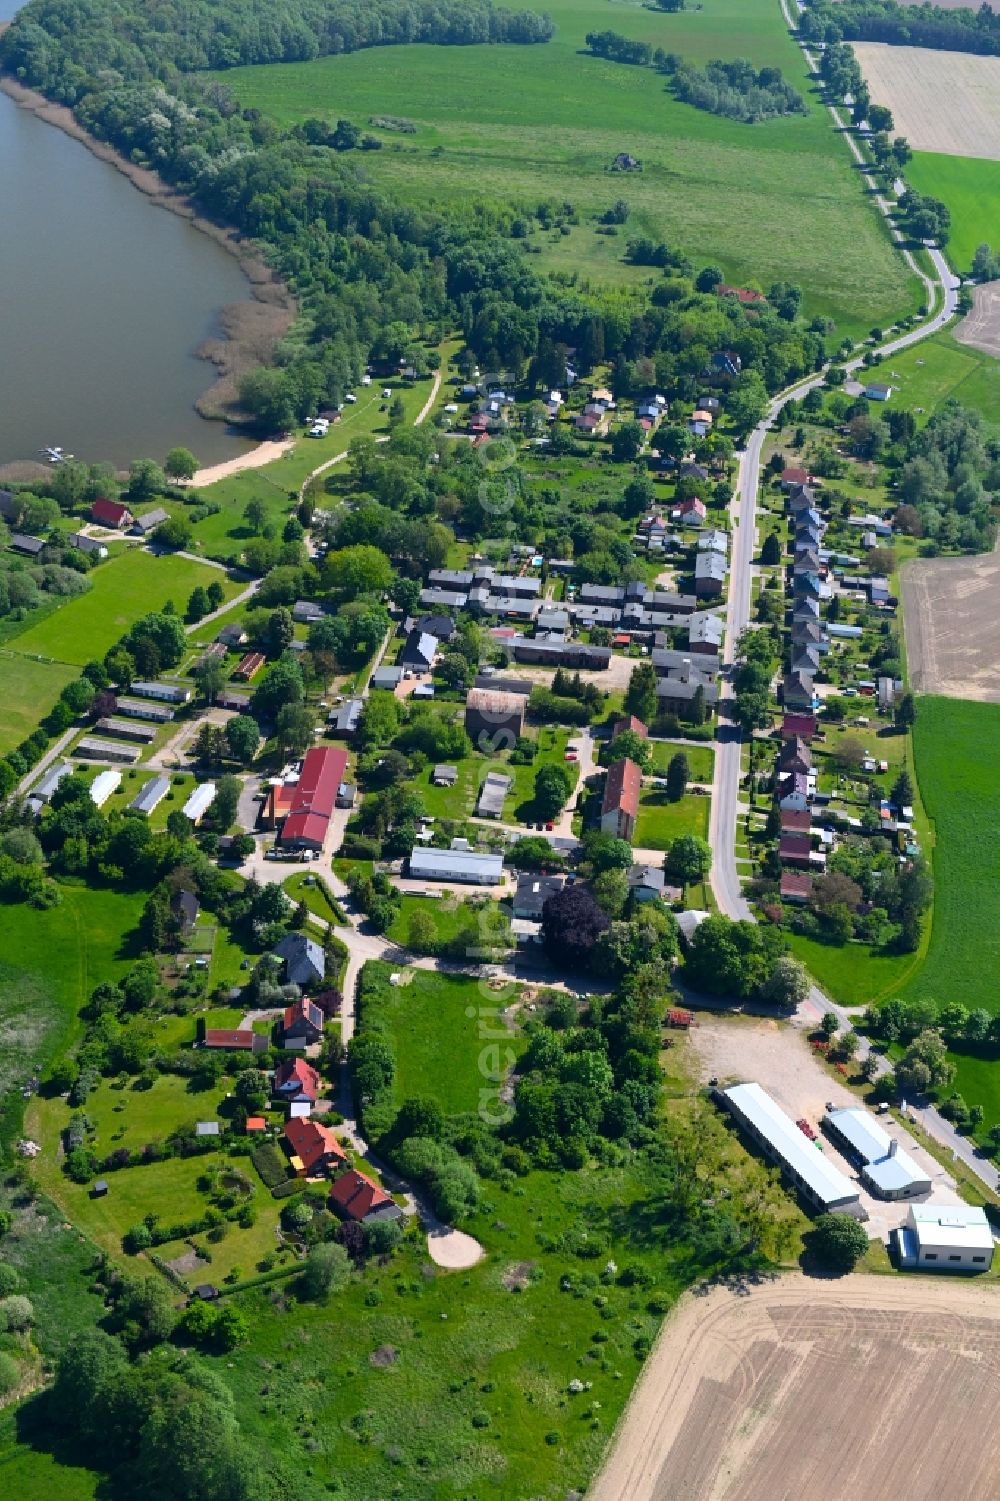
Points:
(940, 101)
(796, 1389)
(981, 327)
(953, 626)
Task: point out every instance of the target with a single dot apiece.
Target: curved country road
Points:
(725, 808)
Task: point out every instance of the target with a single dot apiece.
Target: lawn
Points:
(441, 1024)
(851, 973)
(303, 887)
(459, 801)
(939, 370)
(777, 200)
(123, 589)
(28, 689)
(957, 755)
(970, 186)
(661, 821)
(51, 961)
(700, 759)
(449, 915)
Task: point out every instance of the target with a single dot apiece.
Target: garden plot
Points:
(940, 101)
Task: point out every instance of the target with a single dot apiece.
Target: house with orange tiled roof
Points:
(356, 1197)
(312, 1148)
(296, 1082)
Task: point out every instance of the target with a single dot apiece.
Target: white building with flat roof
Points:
(456, 865)
(801, 1160)
(885, 1168)
(946, 1238)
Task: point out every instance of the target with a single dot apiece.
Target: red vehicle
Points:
(571, 756)
(549, 826)
(806, 1129)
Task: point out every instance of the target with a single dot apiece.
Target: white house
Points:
(946, 1238)
(456, 865)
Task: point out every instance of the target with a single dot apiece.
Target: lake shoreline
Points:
(249, 329)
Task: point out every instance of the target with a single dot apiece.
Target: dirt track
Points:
(981, 328)
(863, 1389)
(953, 627)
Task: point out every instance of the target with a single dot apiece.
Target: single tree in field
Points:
(180, 463)
(640, 696)
(839, 1241)
(678, 773)
(255, 515)
(902, 790)
(689, 859)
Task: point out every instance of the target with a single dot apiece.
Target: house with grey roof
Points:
(304, 960)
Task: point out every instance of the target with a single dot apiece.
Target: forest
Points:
(139, 41)
(961, 30)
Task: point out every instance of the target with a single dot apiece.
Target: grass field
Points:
(660, 821)
(939, 370)
(529, 124)
(957, 752)
(700, 759)
(450, 917)
(225, 534)
(435, 1021)
(123, 589)
(27, 691)
(851, 973)
(51, 961)
(970, 187)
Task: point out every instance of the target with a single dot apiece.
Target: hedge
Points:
(270, 1164)
(290, 1186)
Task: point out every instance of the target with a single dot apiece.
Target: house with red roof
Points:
(693, 511)
(235, 1039)
(795, 887)
(796, 850)
(356, 1197)
(302, 1023)
(629, 722)
(112, 513)
(796, 820)
(620, 807)
(313, 1148)
(748, 296)
(799, 727)
(296, 1082)
(314, 798)
(255, 1123)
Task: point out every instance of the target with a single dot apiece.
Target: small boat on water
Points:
(55, 455)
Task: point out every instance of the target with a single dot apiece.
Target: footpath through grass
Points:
(777, 200)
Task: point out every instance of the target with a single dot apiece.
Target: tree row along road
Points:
(725, 878)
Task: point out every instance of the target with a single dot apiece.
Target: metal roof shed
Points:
(887, 1171)
(824, 1185)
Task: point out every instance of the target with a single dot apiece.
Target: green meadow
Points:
(957, 755)
(51, 961)
(529, 124)
(123, 589)
(940, 369)
(970, 187)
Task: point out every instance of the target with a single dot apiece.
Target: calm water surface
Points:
(103, 300)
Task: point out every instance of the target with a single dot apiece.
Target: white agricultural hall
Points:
(456, 865)
(151, 795)
(887, 1170)
(946, 1238)
(103, 785)
(824, 1185)
(199, 802)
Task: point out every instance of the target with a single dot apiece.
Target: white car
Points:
(366, 380)
(319, 430)
(350, 397)
(386, 392)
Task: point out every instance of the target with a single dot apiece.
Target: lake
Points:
(104, 298)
